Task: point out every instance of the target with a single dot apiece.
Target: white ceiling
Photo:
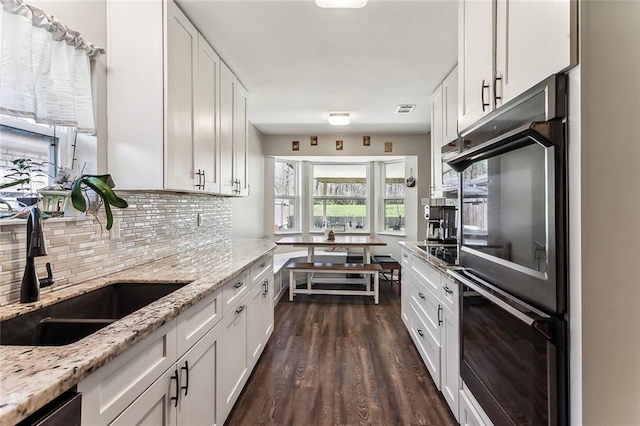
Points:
(299, 61)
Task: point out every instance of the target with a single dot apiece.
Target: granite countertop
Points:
(443, 267)
(32, 376)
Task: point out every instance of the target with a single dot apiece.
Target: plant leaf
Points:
(14, 183)
(77, 197)
(104, 191)
(107, 211)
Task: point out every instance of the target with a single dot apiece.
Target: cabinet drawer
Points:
(261, 267)
(428, 274)
(428, 348)
(406, 259)
(428, 307)
(469, 415)
(450, 295)
(108, 391)
(198, 320)
(233, 291)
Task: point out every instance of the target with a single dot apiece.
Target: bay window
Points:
(287, 197)
(393, 198)
(340, 194)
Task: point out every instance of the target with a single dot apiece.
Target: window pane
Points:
(394, 179)
(394, 216)
(285, 215)
(340, 180)
(350, 213)
(39, 153)
(285, 179)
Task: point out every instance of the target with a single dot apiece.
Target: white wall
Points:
(248, 212)
(418, 162)
(609, 206)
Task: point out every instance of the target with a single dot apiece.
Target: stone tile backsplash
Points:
(155, 225)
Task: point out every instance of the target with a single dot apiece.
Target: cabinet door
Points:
(428, 348)
(450, 367)
(266, 309)
(207, 109)
(154, 407)
(234, 357)
(241, 142)
(450, 107)
(533, 40)
(182, 54)
(199, 369)
(406, 287)
(254, 332)
(436, 140)
(227, 107)
(475, 60)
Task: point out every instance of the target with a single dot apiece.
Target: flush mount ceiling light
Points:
(339, 118)
(341, 4)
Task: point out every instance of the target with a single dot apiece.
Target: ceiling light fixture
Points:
(339, 118)
(341, 4)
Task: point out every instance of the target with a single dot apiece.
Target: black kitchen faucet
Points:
(30, 289)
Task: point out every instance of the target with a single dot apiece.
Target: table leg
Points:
(366, 259)
(376, 287)
(292, 285)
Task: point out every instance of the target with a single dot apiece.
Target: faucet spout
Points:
(30, 288)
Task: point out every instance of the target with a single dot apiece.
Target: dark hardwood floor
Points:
(344, 361)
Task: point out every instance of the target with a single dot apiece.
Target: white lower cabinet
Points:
(470, 412)
(191, 370)
(431, 307)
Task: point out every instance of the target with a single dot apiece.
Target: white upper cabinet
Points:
(207, 118)
(181, 81)
(169, 119)
(534, 39)
(241, 142)
(475, 59)
(444, 128)
(506, 47)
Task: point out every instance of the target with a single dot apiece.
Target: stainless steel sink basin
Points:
(73, 319)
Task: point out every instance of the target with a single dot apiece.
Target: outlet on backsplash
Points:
(114, 232)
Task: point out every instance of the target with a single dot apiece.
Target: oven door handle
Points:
(533, 321)
(540, 132)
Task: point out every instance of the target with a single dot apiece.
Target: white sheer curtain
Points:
(45, 69)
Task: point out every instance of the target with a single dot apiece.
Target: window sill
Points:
(364, 232)
(287, 232)
(393, 234)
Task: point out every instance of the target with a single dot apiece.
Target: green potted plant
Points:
(23, 173)
(102, 186)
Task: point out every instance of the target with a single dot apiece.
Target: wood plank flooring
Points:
(340, 360)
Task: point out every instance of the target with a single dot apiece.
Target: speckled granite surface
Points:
(32, 376)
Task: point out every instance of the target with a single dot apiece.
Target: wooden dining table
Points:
(311, 242)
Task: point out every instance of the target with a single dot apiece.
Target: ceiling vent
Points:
(405, 109)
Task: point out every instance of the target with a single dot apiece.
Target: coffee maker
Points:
(441, 223)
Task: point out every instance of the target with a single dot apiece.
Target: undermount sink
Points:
(73, 319)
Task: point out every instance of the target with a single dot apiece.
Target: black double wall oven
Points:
(513, 250)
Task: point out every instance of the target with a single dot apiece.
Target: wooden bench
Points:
(325, 267)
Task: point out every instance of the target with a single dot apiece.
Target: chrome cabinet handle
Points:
(496, 98)
(265, 288)
(420, 332)
(175, 398)
(240, 309)
(186, 386)
(263, 265)
(421, 296)
(204, 180)
(448, 290)
(238, 285)
(484, 86)
(439, 315)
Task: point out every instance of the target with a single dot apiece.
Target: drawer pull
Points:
(186, 386)
(237, 286)
(421, 296)
(448, 290)
(265, 288)
(263, 264)
(439, 315)
(175, 398)
(420, 332)
(240, 309)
